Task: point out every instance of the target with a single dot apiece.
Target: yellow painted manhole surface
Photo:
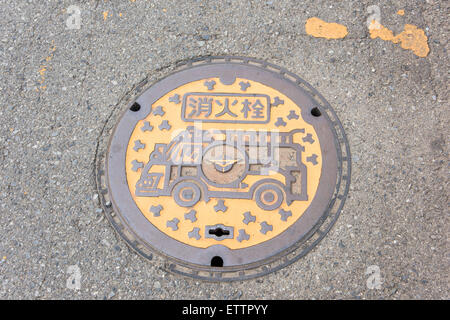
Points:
(230, 167)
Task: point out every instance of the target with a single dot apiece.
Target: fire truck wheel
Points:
(186, 193)
(269, 197)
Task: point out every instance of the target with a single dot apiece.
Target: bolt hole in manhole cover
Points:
(229, 167)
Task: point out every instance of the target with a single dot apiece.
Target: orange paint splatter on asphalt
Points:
(44, 67)
(401, 12)
(321, 29)
(411, 38)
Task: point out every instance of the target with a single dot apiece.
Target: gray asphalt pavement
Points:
(58, 86)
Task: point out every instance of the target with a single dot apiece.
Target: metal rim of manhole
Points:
(228, 167)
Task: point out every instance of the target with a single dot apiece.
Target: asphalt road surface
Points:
(59, 84)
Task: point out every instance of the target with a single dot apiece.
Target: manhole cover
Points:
(229, 167)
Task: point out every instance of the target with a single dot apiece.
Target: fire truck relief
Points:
(232, 164)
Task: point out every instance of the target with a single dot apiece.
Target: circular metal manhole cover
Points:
(230, 167)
